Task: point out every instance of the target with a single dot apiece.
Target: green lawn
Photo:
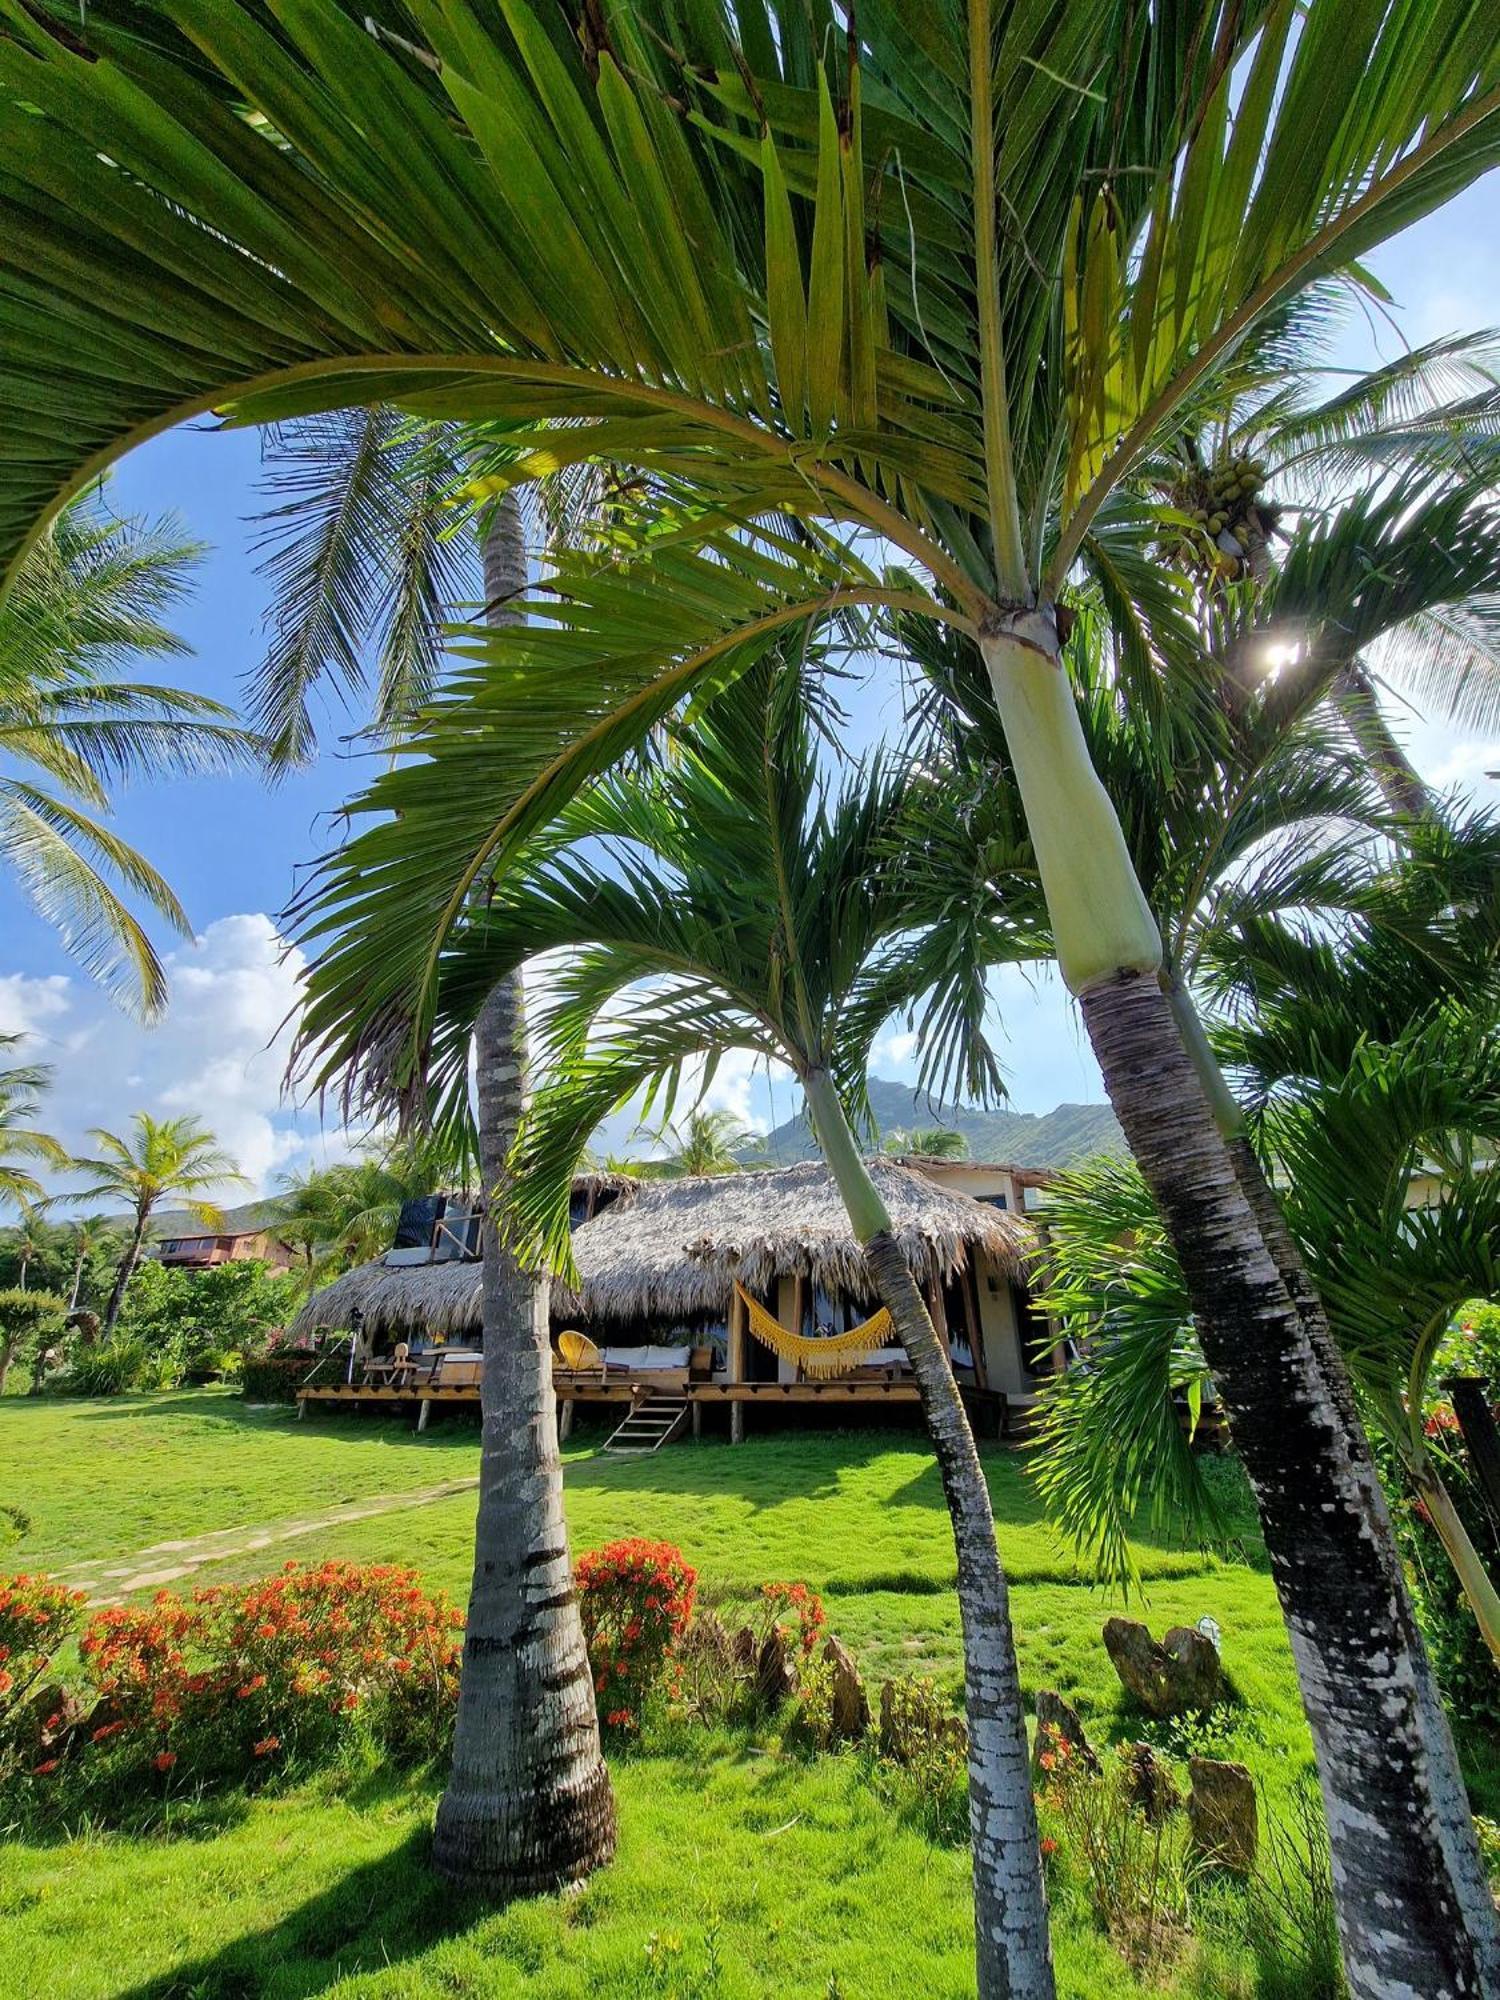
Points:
(791, 1876)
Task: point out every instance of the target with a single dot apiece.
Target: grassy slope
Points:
(808, 1875)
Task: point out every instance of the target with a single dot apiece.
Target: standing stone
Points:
(1148, 1784)
(1222, 1814)
(1178, 1677)
(1057, 1721)
(775, 1673)
(851, 1707)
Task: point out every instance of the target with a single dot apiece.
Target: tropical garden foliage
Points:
(891, 318)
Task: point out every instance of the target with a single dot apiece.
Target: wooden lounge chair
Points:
(579, 1354)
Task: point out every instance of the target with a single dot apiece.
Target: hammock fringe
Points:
(817, 1357)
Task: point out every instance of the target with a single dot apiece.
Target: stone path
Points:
(109, 1579)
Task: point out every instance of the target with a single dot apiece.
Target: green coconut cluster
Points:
(1221, 501)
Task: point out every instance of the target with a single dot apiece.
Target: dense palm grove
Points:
(699, 358)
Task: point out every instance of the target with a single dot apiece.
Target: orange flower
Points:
(45, 1770)
(164, 1759)
(1049, 1846)
(266, 1745)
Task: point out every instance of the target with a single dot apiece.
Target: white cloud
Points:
(892, 1050)
(26, 1003)
(219, 1055)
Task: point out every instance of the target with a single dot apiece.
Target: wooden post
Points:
(697, 1409)
(736, 1369)
(565, 1419)
(968, 1284)
(736, 1423)
(939, 1311)
(423, 1413)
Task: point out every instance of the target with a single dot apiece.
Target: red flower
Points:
(266, 1745)
(1049, 1846)
(164, 1760)
(45, 1770)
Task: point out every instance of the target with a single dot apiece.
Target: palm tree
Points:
(933, 1142)
(348, 1212)
(89, 1233)
(160, 1158)
(1110, 1440)
(707, 1142)
(21, 1089)
(86, 604)
(364, 557)
(725, 900)
(935, 335)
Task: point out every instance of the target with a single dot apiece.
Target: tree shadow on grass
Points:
(378, 1915)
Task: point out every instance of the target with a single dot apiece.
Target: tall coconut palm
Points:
(21, 1088)
(931, 284)
(160, 1158)
(726, 899)
(1369, 1053)
(88, 602)
(528, 1801)
(366, 552)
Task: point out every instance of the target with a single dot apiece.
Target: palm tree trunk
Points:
(528, 1803)
(78, 1263)
(125, 1273)
(1408, 1882)
(1013, 1948)
(1405, 1864)
(7, 1356)
(1359, 709)
(1468, 1565)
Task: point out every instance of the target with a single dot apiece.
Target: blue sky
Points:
(231, 847)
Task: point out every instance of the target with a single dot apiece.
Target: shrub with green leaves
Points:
(27, 1320)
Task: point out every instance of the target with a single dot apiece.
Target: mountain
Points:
(1056, 1138)
(237, 1221)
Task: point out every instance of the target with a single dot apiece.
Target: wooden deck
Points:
(987, 1408)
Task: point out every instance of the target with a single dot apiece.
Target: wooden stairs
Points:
(650, 1423)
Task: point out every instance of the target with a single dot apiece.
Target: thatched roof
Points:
(672, 1248)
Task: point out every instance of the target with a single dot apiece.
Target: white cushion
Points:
(645, 1359)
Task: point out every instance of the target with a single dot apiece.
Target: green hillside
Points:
(1056, 1138)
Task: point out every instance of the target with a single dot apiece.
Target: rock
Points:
(1057, 1721)
(775, 1672)
(1178, 1676)
(1148, 1784)
(851, 1707)
(1222, 1814)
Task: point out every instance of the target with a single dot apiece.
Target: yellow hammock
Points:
(830, 1355)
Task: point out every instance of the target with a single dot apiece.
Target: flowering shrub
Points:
(636, 1599)
(794, 1611)
(924, 1753)
(275, 1376)
(231, 1681)
(1133, 1862)
(37, 1616)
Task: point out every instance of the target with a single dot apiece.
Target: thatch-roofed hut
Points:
(672, 1251)
(658, 1268)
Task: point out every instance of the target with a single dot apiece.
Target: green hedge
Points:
(275, 1378)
